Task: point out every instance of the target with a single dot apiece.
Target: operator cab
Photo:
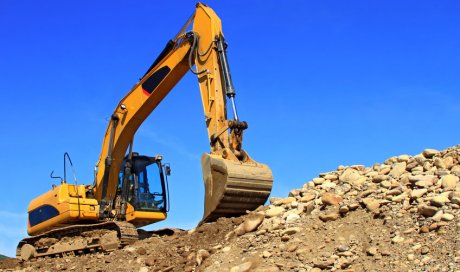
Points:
(143, 183)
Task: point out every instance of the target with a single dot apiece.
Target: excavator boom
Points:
(233, 181)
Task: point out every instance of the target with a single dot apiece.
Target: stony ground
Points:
(401, 215)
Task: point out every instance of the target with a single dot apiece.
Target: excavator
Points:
(130, 190)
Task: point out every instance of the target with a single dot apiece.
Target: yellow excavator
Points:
(129, 189)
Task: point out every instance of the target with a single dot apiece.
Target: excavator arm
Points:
(234, 182)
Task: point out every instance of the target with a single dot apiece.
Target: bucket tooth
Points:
(232, 188)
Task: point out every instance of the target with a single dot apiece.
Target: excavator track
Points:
(78, 239)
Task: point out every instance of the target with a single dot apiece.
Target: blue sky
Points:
(321, 83)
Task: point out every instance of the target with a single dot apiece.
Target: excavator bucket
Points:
(232, 188)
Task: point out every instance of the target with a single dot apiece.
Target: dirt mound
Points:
(401, 215)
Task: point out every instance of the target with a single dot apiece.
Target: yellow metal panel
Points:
(140, 219)
(68, 208)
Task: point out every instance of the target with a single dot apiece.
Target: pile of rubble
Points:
(402, 215)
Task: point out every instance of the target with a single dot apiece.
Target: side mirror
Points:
(168, 170)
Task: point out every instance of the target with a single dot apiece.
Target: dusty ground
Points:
(401, 215)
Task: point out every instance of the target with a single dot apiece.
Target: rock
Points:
(372, 174)
(290, 231)
(294, 204)
(428, 153)
(308, 208)
(385, 170)
(394, 192)
(424, 229)
(437, 216)
(398, 169)
(385, 251)
(307, 197)
(292, 247)
(403, 158)
(359, 167)
(27, 252)
(331, 199)
(400, 198)
(330, 216)
(150, 261)
(439, 163)
(266, 254)
(386, 184)
(449, 162)
(343, 189)
(144, 269)
(455, 200)
(284, 201)
(349, 175)
(427, 211)
(447, 217)
(449, 182)
(344, 209)
(379, 178)
(372, 251)
(240, 230)
(226, 249)
(397, 239)
(344, 263)
(244, 267)
(434, 226)
(418, 193)
(439, 200)
(426, 260)
(294, 193)
(318, 181)
(328, 185)
(427, 166)
(423, 181)
(410, 257)
(391, 160)
(372, 204)
(267, 269)
(331, 177)
(232, 234)
(141, 251)
(366, 193)
(353, 206)
(130, 249)
(323, 264)
(343, 248)
(201, 255)
(274, 211)
(441, 172)
(252, 221)
(411, 165)
(292, 218)
(455, 168)
(424, 250)
(416, 247)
